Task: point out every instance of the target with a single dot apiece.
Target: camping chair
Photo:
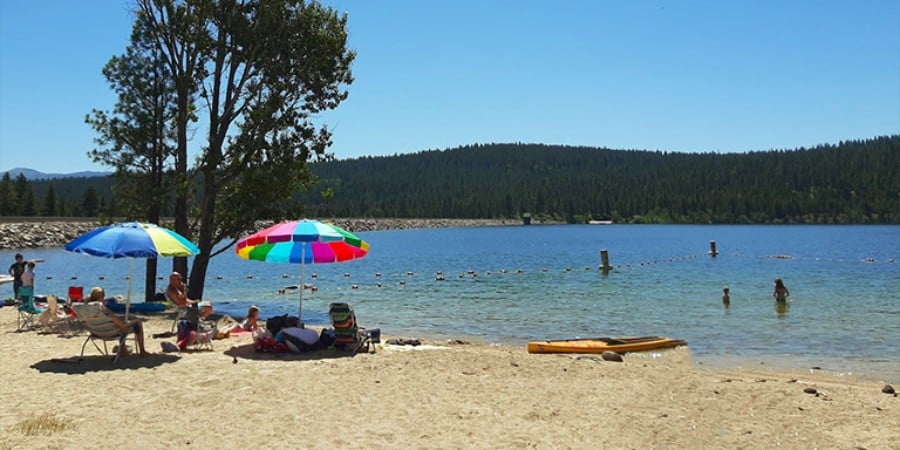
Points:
(26, 308)
(348, 334)
(198, 339)
(54, 318)
(76, 294)
(100, 328)
(181, 312)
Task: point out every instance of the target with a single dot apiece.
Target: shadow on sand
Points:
(100, 363)
(247, 351)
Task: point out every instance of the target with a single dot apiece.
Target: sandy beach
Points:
(439, 395)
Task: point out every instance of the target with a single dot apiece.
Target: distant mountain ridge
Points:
(31, 174)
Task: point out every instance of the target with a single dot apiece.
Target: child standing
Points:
(726, 297)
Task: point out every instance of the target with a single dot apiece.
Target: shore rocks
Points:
(21, 235)
(45, 234)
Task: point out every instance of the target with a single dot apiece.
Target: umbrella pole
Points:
(128, 295)
(302, 265)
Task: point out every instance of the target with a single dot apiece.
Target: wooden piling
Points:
(604, 261)
(712, 249)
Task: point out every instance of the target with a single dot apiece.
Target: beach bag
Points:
(299, 340)
(268, 344)
(275, 324)
(326, 338)
(184, 333)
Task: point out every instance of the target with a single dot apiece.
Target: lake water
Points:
(513, 284)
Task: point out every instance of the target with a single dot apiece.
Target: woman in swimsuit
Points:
(781, 293)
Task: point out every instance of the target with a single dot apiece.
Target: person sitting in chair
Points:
(196, 324)
(137, 326)
(177, 291)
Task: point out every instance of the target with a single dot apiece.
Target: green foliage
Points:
(49, 208)
(90, 204)
(7, 196)
(259, 72)
(851, 182)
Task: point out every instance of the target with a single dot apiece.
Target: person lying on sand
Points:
(251, 323)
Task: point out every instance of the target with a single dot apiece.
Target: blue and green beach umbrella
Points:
(132, 240)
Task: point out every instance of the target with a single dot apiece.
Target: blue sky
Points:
(680, 76)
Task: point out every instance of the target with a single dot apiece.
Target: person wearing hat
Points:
(197, 324)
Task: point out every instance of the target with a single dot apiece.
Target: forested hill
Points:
(851, 182)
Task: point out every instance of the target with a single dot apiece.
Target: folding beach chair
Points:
(76, 294)
(199, 339)
(100, 328)
(348, 334)
(27, 310)
(54, 318)
(180, 314)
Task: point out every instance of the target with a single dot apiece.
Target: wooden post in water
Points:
(604, 261)
(712, 249)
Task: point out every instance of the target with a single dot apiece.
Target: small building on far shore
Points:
(526, 218)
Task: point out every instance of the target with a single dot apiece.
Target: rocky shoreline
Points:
(33, 234)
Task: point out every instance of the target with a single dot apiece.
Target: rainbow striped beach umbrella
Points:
(302, 242)
(132, 240)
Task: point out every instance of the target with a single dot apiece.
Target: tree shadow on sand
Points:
(248, 351)
(100, 363)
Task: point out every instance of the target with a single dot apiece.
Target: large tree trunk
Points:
(205, 238)
(179, 264)
(150, 281)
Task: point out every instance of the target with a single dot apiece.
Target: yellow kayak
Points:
(604, 344)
